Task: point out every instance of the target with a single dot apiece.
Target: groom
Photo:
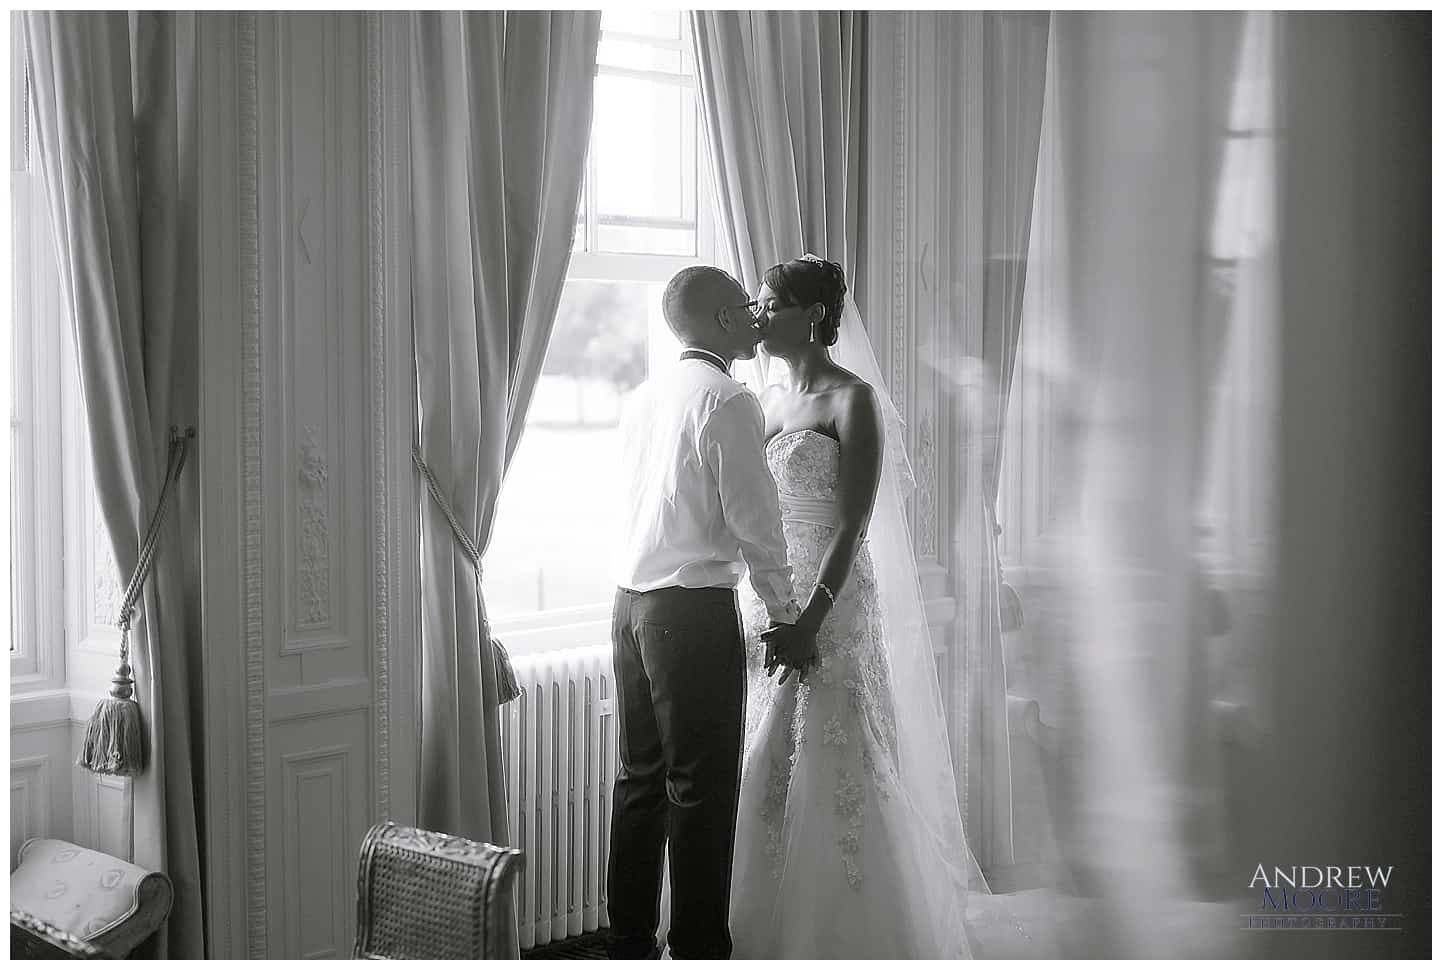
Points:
(700, 507)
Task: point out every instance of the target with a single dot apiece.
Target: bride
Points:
(849, 840)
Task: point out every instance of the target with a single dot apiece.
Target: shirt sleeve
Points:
(733, 446)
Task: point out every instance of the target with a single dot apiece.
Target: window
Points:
(645, 212)
(63, 588)
(35, 509)
(1235, 513)
(1041, 463)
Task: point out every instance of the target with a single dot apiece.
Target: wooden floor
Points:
(588, 946)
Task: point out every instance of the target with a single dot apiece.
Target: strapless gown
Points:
(822, 854)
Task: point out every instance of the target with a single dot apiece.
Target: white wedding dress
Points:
(833, 857)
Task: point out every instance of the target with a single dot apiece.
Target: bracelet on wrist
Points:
(830, 596)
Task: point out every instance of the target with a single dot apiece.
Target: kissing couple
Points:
(793, 759)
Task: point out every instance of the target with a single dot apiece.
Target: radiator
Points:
(559, 739)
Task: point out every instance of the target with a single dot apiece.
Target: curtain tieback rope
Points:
(507, 687)
(114, 736)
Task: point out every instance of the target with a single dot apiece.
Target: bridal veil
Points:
(947, 871)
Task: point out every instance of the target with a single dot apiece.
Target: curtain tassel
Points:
(507, 687)
(1013, 618)
(115, 734)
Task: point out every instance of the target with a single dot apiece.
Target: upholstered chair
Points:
(94, 897)
(31, 938)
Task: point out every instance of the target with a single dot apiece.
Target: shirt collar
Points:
(696, 353)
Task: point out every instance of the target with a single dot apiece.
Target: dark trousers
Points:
(681, 692)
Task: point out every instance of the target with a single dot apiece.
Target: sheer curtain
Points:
(1140, 140)
(1014, 78)
(500, 116)
(115, 124)
(1014, 48)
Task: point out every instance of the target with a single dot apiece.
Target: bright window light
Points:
(646, 211)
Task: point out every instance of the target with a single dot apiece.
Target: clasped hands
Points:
(792, 648)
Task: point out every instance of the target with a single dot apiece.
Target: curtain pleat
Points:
(115, 127)
(500, 118)
(780, 104)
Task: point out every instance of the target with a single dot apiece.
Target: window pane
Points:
(644, 164)
(552, 540)
(646, 239)
(1242, 224)
(1252, 93)
(653, 23)
(639, 56)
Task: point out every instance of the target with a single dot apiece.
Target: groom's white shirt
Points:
(699, 504)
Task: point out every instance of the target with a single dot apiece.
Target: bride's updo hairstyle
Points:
(811, 279)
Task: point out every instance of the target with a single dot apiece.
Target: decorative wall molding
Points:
(114, 819)
(42, 781)
(104, 576)
(29, 800)
(314, 787)
(317, 700)
(899, 108)
(39, 710)
(314, 363)
(396, 673)
(328, 364)
(910, 279)
(94, 606)
(923, 301)
(229, 458)
(926, 486)
(255, 733)
(380, 380)
(313, 534)
(102, 806)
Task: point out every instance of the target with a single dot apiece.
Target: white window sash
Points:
(588, 624)
(37, 660)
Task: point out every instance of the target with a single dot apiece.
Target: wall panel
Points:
(313, 504)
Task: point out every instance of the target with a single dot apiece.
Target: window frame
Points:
(62, 567)
(36, 523)
(544, 631)
(590, 262)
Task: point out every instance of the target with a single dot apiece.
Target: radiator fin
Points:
(559, 739)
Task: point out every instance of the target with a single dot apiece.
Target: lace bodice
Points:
(804, 463)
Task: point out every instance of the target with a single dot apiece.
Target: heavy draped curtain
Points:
(115, 128)
(781, 102)
(500, 115)
(1347, 685)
